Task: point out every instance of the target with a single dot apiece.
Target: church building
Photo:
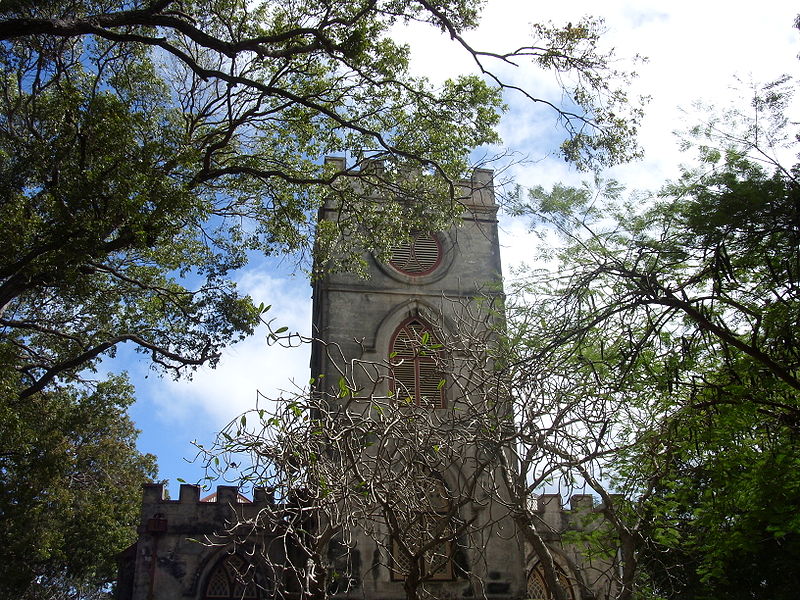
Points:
(396, 358)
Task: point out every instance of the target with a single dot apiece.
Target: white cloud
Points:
(695, 52)
(252, 366)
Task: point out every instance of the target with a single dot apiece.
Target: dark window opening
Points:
(537, 587)
(232, 579)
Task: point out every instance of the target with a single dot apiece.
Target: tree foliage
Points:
(676, 320)
(69, 489)
(652, 360)
(364, 462)
(147, 147)
(429, 488)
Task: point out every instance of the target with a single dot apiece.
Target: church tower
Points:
(393, 348)
(397, 493)
(392, 487)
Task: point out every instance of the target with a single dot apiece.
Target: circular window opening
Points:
(419, 257)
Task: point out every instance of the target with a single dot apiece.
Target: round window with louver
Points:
(420, 257)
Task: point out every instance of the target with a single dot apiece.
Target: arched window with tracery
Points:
(416, 359)
(233, 578)
(424, 535)
(537, 586)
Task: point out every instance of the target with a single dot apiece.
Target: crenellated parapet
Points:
(558, 519)
(588, 573)
(218, 513)
(181, 542)
(154, 493)
(476, 194)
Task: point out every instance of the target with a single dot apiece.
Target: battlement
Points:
(558, 518)
(477, 192)
(546, 503)
(154, 493)
(219, 512)
(182, 541)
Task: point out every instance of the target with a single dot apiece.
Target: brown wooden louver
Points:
(420, 257)
(416, 365)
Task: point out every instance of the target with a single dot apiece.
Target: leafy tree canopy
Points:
(70, 481)
(674, 323)
(147, 146)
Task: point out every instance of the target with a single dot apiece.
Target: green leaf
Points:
(344, 390)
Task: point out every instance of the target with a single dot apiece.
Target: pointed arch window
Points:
(537, 587)
(232, 579)
(426, 536)
(416, 360)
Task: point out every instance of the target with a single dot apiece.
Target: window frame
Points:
(237, 588)
(536, 576)
(421, 364)
(438, 508)
(412, 255)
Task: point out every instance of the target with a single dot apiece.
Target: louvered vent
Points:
(416, 372)
(430, 391)
(404, 380)
(419, 257)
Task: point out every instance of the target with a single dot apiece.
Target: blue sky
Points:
(695, 51)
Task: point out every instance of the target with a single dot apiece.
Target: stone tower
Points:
(397, 337)
(410, 410)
